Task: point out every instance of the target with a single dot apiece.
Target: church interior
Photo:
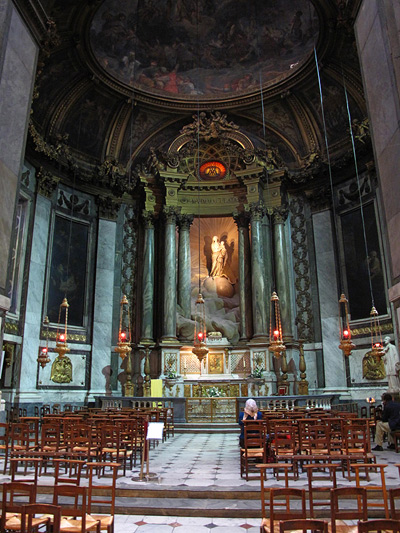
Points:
(199, 204)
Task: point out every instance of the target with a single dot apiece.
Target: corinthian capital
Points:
(280, 214)
(257, 211)
(185, 221)
(170, 213)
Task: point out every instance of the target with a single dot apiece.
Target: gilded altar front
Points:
(217, 410)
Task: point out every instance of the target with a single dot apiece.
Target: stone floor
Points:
(201, 472)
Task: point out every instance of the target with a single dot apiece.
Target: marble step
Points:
(207, 428)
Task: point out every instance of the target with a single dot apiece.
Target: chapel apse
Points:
(198, 50)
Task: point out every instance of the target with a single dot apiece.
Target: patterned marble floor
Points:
(205, 462)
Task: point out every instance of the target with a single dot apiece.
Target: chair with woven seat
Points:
(103, 494)
(72, 471)
(284, 504)
(29, 520)
(327, 472)
(372, 488)
(73, 502)
(394, 498)
(4, 442)
(341, 510)
(15, 496)
(379, 525)
(254, 450)
(303, 525)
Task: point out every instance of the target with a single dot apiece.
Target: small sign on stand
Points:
(155, 431)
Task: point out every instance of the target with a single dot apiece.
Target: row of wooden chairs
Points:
(322, 526)
(346, 504)
(331, 440)
(73, 505)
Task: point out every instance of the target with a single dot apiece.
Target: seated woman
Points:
(250, 412)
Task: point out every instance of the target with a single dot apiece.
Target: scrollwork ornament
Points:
(46, 183)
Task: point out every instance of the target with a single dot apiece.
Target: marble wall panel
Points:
(103, 306)
(34, 301)
(8, 190)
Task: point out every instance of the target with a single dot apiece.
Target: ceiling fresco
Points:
(221, 49)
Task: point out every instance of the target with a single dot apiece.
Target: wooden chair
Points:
(338, 512)
(394, 497)
(72, 471)
(369, 487)
(112, 448)
(4, 443)
(15, 496)
(379, 525)
(74, 509)
(306, 524)
(329, 483)
(34, 462)
(106, 522)
(254, 450)
(29, 520)
(284, 504)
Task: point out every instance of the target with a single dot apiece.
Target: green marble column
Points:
(184, 265)
(267, 257)
(282, 269)
(169, 297)
(146, 331)
(260, 327)
(242, 222)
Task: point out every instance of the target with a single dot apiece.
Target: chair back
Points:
(286, 504)
(380, 525)
(347, 494)
(305, 524)
(28, 516)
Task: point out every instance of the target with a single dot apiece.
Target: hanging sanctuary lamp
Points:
(276, 345)
(62, 334)
(346, 344)
(43, 357)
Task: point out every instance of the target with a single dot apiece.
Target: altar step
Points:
(210, 427)
(194, 502)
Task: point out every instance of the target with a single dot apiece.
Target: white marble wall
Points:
(334, 368)
(103, 307)
(34, 300)
(377, 32)
(18, 54)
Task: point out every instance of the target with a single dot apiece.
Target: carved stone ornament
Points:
(61, 370)
(46, 183)
(170, 213)
(185, 221)
(269, 158)
(280, 214)
(108, 207)
(148, 219)
(73, 203)
(241, 219)
(257, 211)
(113, 176)
(209, 127)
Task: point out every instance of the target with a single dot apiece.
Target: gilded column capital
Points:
(170, 213)
(256, 211)
(46, 182)
(185, 221)
(148, 219)
(108, 207)
(241, 219)
(280, 214)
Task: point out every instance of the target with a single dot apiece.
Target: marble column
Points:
(267, 255)
(103, 304)
(260, 327)
(328, 293)
(169, 297)
(146, 332)
(242, 222)
(282, 277)
(34, 299)
(184, 265)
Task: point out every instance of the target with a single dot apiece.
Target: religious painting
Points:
(363, 261)
(195, 50)
(215, 363)
(373, 367)
(68, 270)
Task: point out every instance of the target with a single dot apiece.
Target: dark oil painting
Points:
(364, 267)
(68, 270)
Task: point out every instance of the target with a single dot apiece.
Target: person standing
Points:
(390, 422)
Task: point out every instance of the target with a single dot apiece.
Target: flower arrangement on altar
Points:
(215, 392)
(257, 372)
(171, 374)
